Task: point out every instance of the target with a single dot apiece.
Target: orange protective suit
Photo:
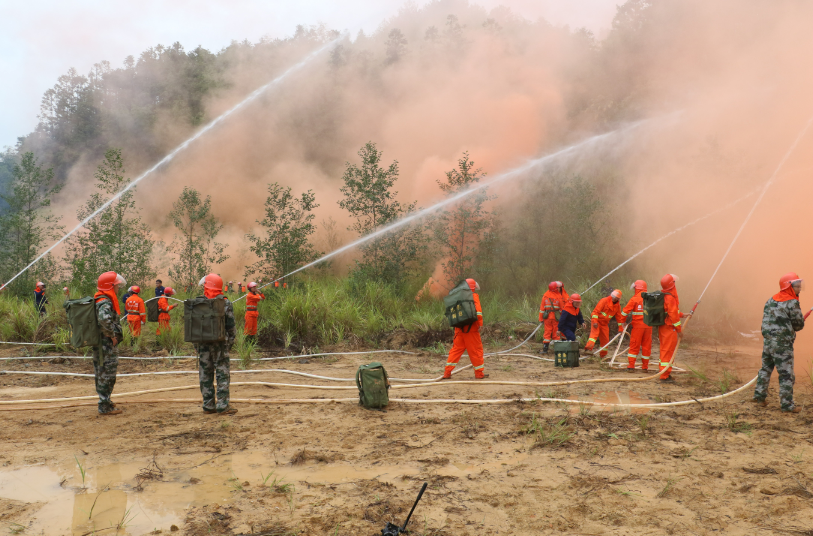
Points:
(136, 314)
(468, 341)
(252, 300)
(553, 301)
(600, 327)
(640, 334)
(163, 315)
(668, 333)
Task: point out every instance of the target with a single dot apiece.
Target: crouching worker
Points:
(252, 314)
(213, 357)
(781, 319)
(468, 339)
(136, 311)
(163, 311)
(571, 317)
(105, 356)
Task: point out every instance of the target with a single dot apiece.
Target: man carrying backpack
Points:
(550, 310)
(105, 356)
(668, 332)
(781, 319)
(136, 311)
(213, 357)
(252, 314)
(571, 317)
(468, 339)
(605, 309)
(641, 334)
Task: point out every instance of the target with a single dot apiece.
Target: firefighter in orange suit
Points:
(640, 334)
(549, 311)
(668, 333)
(136, 312)
(163, 311)
(606, 308)
(252, 314)
(468, 339)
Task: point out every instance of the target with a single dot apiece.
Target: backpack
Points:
(152, 309)
(373, 383)
(84, 324)
(654, 308)
(204, 320)
(460, 309)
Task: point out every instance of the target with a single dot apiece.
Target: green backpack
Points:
(84, 324)
(654, 308)
(460, 309)
(204, 320)
(152, 309)
(373, 383)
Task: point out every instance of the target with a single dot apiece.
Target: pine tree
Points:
(196, 249)
(116, 239)
(287, 225)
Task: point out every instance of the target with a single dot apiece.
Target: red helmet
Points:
(552, 286)
(168, 291)
(616, 294)
(791, 279)
(65, 289)
(473, 285)
(212, 282)
(135, 289)
(639, 285)
(576, 298)
(108, 279)
(668, 281)
(559, 284)
(40, 284)
(252, 285)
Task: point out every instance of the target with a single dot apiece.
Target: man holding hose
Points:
(781, 319)
(606, 308)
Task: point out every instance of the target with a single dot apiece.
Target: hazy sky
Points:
(42, 39)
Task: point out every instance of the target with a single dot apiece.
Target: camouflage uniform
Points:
(213, 360)
(106, 363)
(780, 322)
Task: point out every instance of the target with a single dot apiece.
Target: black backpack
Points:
(152, 309)
(84, 324)
(460, 308)
(204, 320)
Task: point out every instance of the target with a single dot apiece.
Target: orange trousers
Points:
(135, 324)
(463, 342)
(640, 341)
(551, 330)
(251, 323)
(668, 337)
(601, 331)
(163, 323)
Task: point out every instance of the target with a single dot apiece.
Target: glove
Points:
(143, 323)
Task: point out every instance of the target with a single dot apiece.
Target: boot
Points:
(545, 348)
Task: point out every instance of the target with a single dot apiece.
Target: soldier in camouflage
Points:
(213, 358)
(105, 356)
(781, 319)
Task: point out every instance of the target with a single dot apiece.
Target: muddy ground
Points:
(338, 469)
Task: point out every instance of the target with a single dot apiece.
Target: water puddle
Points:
(108, 500)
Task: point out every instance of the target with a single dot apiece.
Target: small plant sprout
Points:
(81, 469)
(670, 485)
(126, 519)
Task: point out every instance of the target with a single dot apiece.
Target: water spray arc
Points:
(511, 174)
(168, 158)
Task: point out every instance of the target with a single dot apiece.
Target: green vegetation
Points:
(555, 433)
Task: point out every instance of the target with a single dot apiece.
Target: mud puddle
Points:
(109, 498)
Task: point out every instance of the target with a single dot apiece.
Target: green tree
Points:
(115, 239)
(195, 246)
(287, 226)
(370, 200)
(26, 225)
(460, 230)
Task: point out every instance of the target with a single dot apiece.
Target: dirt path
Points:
(337, 469)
